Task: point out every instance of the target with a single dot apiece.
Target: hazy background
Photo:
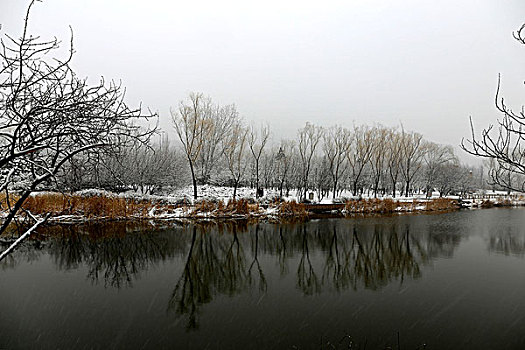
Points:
(426, 64)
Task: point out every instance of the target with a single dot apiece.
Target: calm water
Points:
(450, 281)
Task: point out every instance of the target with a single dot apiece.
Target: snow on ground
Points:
(209, 192)
(218, 193)
(177, 203)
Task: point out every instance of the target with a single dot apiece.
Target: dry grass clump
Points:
(372, 205)
(503, 203)
(437, 204)
(238, 206)
(205, 206)
(486, 204)
(388, 205)
(94, 206)
(292, 208)
(219, 208)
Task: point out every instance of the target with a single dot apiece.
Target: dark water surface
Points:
(450, 281)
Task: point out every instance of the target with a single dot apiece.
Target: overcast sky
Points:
(426, 64)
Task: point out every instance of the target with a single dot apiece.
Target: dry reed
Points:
(90, 207)
(292, 208)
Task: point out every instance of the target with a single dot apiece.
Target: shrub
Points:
(292, 208)
(486, 204)
(441, 204)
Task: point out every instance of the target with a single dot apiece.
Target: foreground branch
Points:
(23, 236)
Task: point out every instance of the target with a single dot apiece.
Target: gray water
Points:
(447, 281)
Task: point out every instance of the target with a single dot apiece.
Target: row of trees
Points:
(217, 147)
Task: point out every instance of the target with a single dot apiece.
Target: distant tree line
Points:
(215, 146)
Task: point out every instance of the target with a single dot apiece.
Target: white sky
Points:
(427, 64)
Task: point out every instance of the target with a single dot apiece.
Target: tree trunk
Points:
(257, 178)
(193, 180)
(394, 183)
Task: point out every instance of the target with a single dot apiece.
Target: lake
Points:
(445, 281)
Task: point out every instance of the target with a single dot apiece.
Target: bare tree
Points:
(336, 146)
(359, 153)
(394, 158)
(412, 151)
(286, 162)
(435, 156)
(48, 115)
(453, 177)
(309, 137)
(155, 166)
(192, 129)
(321, 180)
(257, 141)
(378, 157)
(504, 143)
(268, 167)
(220, 121)
(235, 153)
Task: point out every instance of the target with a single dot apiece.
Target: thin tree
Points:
(435, 156)
(337, 141)
(359, 153)
(285, 159)
(379, 156)
(393, 158)
(192, 128)
(309, 137)
(412, 152)
(257, 141)
(220, 120)
(235, 154)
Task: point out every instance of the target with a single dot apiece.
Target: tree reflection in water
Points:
(307, 280)
(508, 242)
(114, 253)
(255, 267)
(228, 258)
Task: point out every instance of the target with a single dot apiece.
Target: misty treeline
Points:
(213, 145)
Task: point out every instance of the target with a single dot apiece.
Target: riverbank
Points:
(107, 207)
(96, 205)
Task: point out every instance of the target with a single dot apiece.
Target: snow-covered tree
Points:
(49, 115)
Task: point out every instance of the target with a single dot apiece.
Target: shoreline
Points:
(155, 223)
(71, 209)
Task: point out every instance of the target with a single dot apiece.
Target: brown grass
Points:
(372, 205)
(91, 207)
(439, 204)
(503, 203)
(292, 208)
(486, 204)
(388, 205)
(220, 209)
(103, 207)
